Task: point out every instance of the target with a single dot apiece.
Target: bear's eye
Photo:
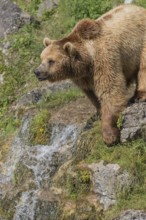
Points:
(51, 62)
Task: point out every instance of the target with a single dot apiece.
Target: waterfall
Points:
(42, 160)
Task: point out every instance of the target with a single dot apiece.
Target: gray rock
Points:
(46, 5)
(12, 17)
(108, 181)
(134, 122)
(132, 215)
(37, 95)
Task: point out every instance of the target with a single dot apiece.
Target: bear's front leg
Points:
(93, 99)
(110, 132)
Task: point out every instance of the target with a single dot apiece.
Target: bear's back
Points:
(124, 17)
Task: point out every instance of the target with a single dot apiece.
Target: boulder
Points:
(108, 180)
(12, 18)
(134, 122)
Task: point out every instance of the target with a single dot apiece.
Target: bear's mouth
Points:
(42, 78)
(49, 77)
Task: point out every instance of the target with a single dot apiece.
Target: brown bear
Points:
(103, 57)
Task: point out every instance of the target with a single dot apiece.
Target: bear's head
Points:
(70, 57)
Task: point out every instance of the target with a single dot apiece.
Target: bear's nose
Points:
(36, 72)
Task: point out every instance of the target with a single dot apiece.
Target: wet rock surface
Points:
(30, 169)
(134, 122)
(12, 18)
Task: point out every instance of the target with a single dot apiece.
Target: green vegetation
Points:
(17, 68)
(131, 156)
(70, 12)
(60, 98)
(120, 120)
(7, 210)
(140, 2)
(30, 6)
(78, 183)
(40, 128)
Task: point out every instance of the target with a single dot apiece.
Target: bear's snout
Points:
(37, 72)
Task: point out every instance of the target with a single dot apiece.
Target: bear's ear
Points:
(46, 41)
(88, 28)
(70, 49)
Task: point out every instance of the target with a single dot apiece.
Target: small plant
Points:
(40, 128)
(78, 183)
(120, 121)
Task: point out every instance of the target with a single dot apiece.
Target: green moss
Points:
(6, 214)
(22, 176)
(40, 128)
(7, 207)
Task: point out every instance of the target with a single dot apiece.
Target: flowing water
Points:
(44, 160)
(25, 209)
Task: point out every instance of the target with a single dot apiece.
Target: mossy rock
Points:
(8, 205)
(23, 177)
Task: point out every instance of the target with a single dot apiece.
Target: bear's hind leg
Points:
(141, 87)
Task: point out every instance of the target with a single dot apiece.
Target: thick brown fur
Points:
(104, 57)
